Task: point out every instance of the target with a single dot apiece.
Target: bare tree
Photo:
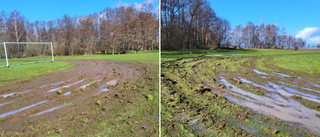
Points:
(223, 28)
(3, 26)
(16, 29)
(236, 36)
(263, 36)
(118, 29)
(31, 36)
(248, 33)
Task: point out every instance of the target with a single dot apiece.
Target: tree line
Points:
(113, 30)
(193, 24)
(263, 36)
(190, 24)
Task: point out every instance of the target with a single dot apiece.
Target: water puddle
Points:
(8, 95)
(289, 110)
(257, 85)
(68, 93)
(86, 85)
(217, 55)
(50, 110)
(278, 89)
(11, 94)
(316, 85)
(300, 87)
(68, 86)
(284, 75)
(292, 112)
(53, 90)
(263, 77)
(104, 90)
(43, 86)
(284, 92)
(259, 72)
(21, 109)
(303, 95)
(6, 103)
(238, 90)
(290, 92)
(54, 84)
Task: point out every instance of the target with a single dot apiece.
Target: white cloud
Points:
(139, 5)
(120, 3)
(135, 4)
(315, 39)
(277, 24)
(310, 34)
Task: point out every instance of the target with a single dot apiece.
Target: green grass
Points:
(28, 71)
(301, 60)
(171, 55)
(147, 57)
(24, 72)
(301, 63)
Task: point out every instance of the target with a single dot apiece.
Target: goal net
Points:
(17, 53)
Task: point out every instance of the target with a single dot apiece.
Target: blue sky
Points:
(301, 18)
(52, 9)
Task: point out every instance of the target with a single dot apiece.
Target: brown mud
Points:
(50, 98)
(275, 96)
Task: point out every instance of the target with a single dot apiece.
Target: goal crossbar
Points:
(27, 43)
(31, 43)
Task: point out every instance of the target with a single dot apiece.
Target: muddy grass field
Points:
(241, 93)
(95, 97)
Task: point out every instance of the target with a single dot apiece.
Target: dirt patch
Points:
(113, 82)
(78, 87)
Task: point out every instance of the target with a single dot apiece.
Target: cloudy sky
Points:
(53, 9)
(299, 17)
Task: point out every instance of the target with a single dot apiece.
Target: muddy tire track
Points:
(88, 74)
(271, 96)
(286, 109)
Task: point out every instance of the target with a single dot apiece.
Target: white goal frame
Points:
(31, 43)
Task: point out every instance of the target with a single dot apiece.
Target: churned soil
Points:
(44, 105)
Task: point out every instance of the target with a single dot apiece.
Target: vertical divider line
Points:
(159, 68)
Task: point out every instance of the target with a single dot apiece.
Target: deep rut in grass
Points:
(284, 101)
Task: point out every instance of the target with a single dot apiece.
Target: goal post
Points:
(17, 53)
